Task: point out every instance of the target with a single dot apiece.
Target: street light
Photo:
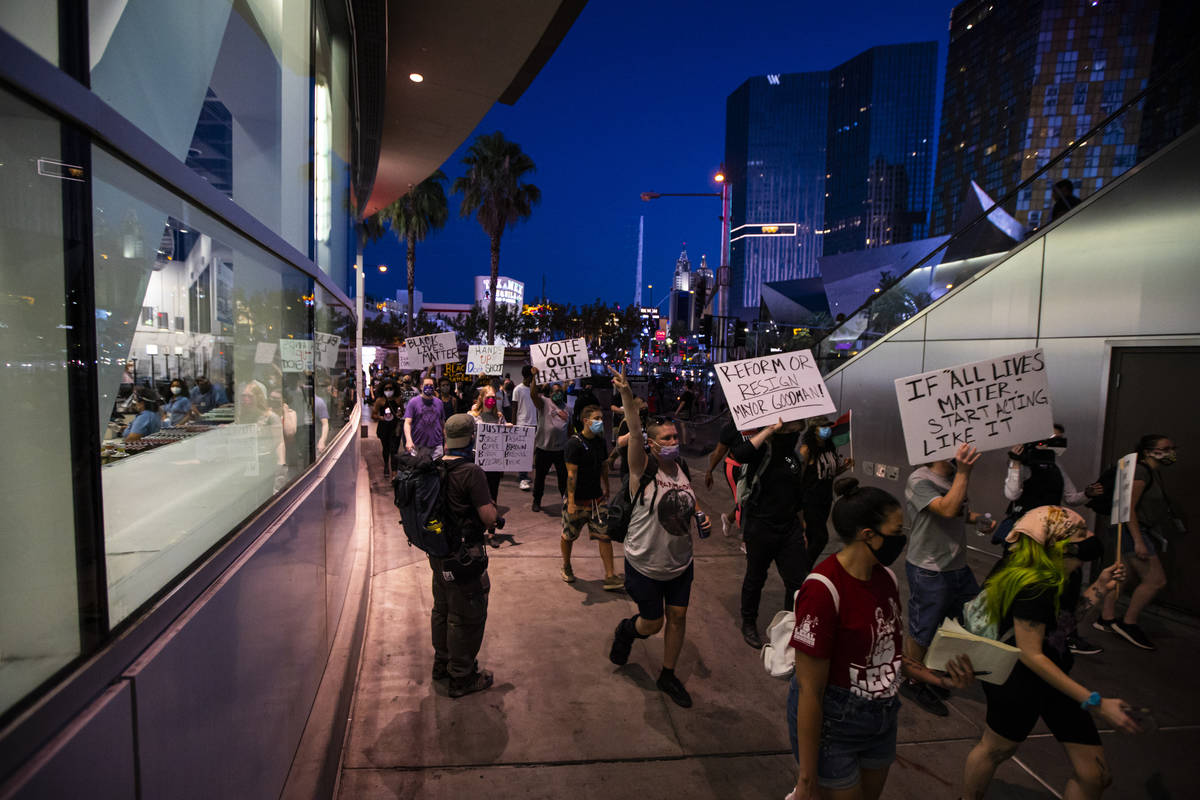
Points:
(383, 267)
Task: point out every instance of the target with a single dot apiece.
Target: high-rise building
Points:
(682, 299)
(1024, 80)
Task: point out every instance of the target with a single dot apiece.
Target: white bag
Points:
(777, 656)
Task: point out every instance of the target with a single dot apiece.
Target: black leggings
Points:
(780, 542)
(542, 461)
(389, 441)
(493, 482)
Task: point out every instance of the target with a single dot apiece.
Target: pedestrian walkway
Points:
(563, 722)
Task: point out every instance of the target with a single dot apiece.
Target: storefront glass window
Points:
(334, 366)
(332, 213)
(34, 23)
(39, 626)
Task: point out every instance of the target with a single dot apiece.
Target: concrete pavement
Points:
(561, 721)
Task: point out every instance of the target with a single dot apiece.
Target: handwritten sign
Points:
(989, 404)
(1122, 505)
(296, 355)
(431, 349)
(403, 364)
(485, 359)
(327, 346)
(455, 371)
(504, 448)
(785, 386)
(560, 361)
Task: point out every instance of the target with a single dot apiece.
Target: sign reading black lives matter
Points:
(560, 361)
(989, 404)
(431, 349)
(504, 448)
(785, 386)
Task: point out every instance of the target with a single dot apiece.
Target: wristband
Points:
(1093, 699)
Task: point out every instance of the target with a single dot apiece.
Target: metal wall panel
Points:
(340, 508)
(914, 331)
(1000, 304)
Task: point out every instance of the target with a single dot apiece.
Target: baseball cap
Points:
(459, 430)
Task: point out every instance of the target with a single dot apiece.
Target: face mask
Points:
(890, 550)
(388, 393)
(559, 399)
(1089, 549)
(668, 452)
(176, 390)
(824, 433)
(596, 426)
(1165, 457)
(427, 391)
(489, 402)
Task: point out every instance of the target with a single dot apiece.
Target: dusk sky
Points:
(633, 100)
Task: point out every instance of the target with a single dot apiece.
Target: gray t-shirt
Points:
(934, 542)
(659, 542)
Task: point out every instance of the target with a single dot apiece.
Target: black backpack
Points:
(620, 510)
(419, 491)
(1102, 503)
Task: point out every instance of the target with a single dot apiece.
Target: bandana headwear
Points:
(1047, 525)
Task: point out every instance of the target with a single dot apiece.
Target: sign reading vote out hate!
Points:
(785, 386)
(504, 448)
(431, 349)
(560, 361)
(990, 404)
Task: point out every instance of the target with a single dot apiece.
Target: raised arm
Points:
(636, 455)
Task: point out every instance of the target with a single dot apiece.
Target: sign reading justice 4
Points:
(785, 386)
(990, 404)
(560, 361)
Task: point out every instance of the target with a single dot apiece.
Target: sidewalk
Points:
(563, 722)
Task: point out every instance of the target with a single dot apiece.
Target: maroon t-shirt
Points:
(854, 624)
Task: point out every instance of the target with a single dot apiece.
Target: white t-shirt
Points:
(659, 541)
(526, 413)
(551, 427)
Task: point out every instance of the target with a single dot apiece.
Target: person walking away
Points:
(729, 438)
(821, 464)
(549, 442)
(939, 580)
(769, 493)
(1021, 597)
(659, 565)
(460, 587)
(842, 707)
(1151, 520)
(526, 413)
(685, 410)
(387, 412)
(587, 496)
(424, 417)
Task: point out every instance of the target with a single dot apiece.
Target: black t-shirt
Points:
(1036, 604)
(777, 498)
(730, 436)
(466, 491)
(588, 456)
(688, 400)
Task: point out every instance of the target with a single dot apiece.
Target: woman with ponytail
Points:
(1022, 598)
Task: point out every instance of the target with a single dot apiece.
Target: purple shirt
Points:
(427, 420)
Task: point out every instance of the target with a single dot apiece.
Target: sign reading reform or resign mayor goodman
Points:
(508, 291)
(766, 229)
(783, 386)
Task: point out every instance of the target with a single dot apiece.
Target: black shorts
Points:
(1013, 709)
(650, 594)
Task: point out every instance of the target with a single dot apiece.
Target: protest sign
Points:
(785, 386)
(296, 355)
(1122, 504)
(264, 352)
(560, 362)
(431, 349)
(989, 404)
(455, 371)
(403, 364)
(504, 448)
(327, 346)
(485, 359)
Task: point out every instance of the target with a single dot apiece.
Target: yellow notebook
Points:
(994, 659)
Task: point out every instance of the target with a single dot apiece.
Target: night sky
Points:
(633, 100)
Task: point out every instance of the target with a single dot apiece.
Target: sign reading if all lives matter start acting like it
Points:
(989, 404)
(764, 390)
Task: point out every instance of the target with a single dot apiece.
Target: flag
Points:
(841, 430)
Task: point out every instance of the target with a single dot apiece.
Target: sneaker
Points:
(750, 635)
(923, 695)
(724, 526)
(1133, 634)
(387, 473)
(568, 574)
(614, 583)
(743, 547)
(536, 507)
(1102, 624)
(440, 673)
(476, 682)
(622, 644)
(526, 485)
(1082, 647)
(673, 688)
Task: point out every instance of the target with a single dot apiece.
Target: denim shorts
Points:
(856, 734)
(933, 596)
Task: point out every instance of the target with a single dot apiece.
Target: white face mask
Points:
(388, 393)
(176, 390)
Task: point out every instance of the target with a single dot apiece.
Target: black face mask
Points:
(1090, 549)
(891, 548)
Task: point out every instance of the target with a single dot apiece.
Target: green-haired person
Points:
(1021, 596)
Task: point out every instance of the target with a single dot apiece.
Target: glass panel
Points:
(333, 223)
(39, 626)
(33, 23)
(205, 376)
(180, 71)
(334, 362)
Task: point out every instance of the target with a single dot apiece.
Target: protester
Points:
(729, 438)
(485, 410)
(821, 464)
(423, 419)
(658, 546)
(387, 412)
(460, 589)
(1022, 598)
(1144, 535)
(685, 409)
(939, 580)
(526, 414)
(622, 448)
(587, 496)
(842, 707)
(769, 494)
(549, 442)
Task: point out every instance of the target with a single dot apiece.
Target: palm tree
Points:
(412, 217)
(494, 190)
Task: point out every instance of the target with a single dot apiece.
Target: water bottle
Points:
(703, 526)
(984, 524)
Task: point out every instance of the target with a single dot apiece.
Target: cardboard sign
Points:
(763, 390)
(296, 355)
(455, 371)
(560, 362)
(402, 362)
(327, 346)
(504, 448)
(431, 349)
(485, 359)
(1122, 505)
(989, 404)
